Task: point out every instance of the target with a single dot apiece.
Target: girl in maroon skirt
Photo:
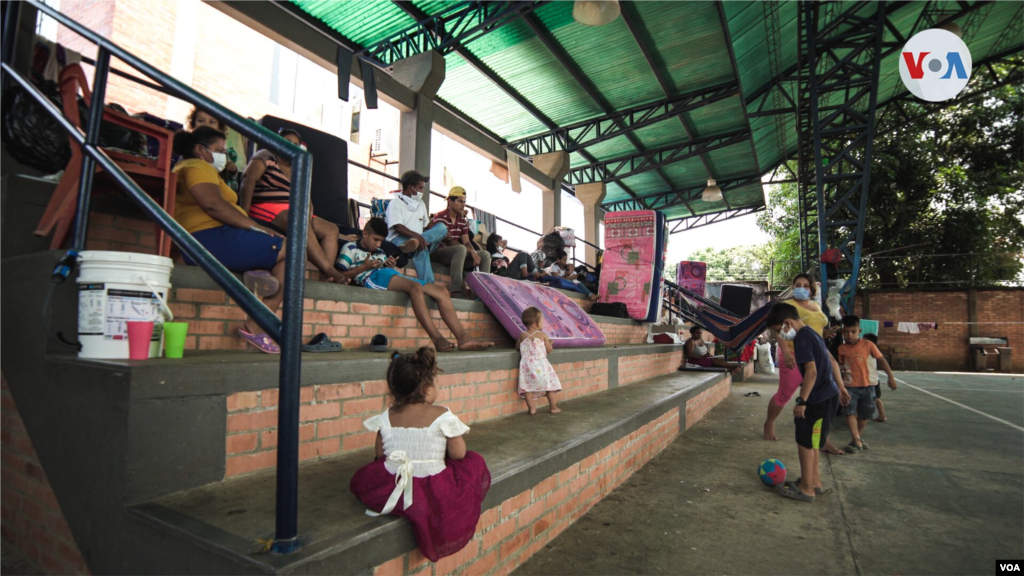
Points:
(423, 471)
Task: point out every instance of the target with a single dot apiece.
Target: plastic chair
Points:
(154, 176)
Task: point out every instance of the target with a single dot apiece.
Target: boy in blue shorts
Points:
(820, 394)
(366, 264)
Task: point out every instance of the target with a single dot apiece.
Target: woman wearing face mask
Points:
(790, 378)
(266, 192)
(208, 210)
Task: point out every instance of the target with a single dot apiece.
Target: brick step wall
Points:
(348, 314)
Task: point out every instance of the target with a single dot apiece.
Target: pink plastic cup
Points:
(140, 336)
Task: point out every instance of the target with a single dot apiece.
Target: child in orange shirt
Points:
(853, 358)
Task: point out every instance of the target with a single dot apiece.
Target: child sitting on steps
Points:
(365, 263)
(536, 375)
(422, 470)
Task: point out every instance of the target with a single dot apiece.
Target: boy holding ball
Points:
(820, 394)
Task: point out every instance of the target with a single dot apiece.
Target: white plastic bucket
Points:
(115, 288)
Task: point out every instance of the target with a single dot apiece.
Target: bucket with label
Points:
(115, 288)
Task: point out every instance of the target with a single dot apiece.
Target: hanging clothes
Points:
(909, 327)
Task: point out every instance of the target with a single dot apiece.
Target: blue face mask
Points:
(802, 293)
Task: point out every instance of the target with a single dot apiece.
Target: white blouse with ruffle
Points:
(424, 448)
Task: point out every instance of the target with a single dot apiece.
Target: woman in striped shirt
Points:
(265, 196)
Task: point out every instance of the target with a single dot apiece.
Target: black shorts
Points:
(812, 430)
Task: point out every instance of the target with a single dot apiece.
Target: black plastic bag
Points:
(114, 135)
(31, 135)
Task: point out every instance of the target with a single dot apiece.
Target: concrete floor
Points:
(941, 491)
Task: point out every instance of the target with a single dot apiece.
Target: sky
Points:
(742, 231)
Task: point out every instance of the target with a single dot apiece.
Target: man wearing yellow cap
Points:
(457, 251)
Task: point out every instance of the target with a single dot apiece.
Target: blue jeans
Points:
(421, 260)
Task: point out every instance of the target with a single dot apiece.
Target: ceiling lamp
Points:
(952, 27)
(595, 13)
(712, 193)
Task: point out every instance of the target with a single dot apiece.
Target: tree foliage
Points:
(951, 182)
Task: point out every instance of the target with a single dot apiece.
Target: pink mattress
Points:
(565, 322)
(633, 258)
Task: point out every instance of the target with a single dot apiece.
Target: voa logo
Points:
(935, 65)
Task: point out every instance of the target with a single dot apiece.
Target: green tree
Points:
(951, 182)
(735, 264)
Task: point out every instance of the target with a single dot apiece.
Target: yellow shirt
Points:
(816, 320)
(189, 214)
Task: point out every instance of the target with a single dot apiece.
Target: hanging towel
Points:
(513, 170)
(909, 327)
(484, 219)
(887, 323)
(926, 326)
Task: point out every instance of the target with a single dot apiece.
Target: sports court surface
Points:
(941, 491)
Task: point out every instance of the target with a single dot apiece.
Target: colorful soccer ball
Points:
(772, 472)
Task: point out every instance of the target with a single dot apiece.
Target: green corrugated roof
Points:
(688, 44)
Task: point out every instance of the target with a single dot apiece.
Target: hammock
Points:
(733, 331)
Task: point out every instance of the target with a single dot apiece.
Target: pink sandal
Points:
(260, 341)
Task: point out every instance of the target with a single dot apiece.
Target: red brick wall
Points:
(637, 368)
(1000, 312)
(509, 534)
(331, 416)
(702, 403)
(32, 521)
(213, 320)
(122, 234)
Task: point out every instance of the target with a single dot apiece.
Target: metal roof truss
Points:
(595, 130)
(838, 146)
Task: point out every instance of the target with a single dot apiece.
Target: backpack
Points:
(613, 309)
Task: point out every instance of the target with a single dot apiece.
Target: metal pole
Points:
(12, 11)
(92, 138)
(287, 521)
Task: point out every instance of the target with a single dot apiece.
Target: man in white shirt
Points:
(408, 221)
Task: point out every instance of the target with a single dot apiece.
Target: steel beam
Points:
(579, 135)
(616, 169)
(679, 196)
(836, 149)
(445, 31)
(666, 87)
(479, 65)
(691, 222)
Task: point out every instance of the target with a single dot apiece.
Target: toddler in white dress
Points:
(536, 375)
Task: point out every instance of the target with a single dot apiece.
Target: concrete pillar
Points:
(423, 74)
(591, 195)
(554, 165)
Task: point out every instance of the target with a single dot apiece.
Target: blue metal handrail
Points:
(288, 332)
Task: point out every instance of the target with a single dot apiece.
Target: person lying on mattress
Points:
(366, 264)
(695, 350)
(561, 269)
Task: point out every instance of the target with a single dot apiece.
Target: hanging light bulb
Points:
(952, 27)
(712, 193)
(595, 13)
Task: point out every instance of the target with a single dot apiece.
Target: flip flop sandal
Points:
(321, 343)
(817, 491)
(752, 394)
(852, 448)
(791, 491)
(379, 343)
(864, 444)
(260, 341)
(260, 283)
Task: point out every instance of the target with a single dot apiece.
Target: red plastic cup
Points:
(140, 336)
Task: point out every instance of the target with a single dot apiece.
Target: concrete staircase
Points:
(167, 466)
